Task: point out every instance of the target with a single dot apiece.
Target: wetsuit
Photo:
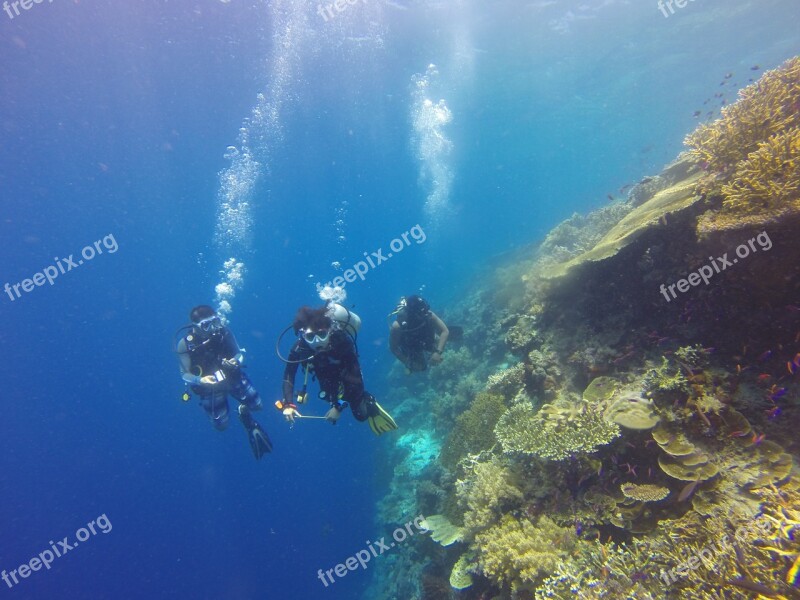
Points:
(335, 365)
(202, 355)
(415, 337)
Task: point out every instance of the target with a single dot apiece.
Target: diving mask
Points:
(210, 324)
(316, 339)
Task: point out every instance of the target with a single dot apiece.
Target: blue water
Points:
(115, 120)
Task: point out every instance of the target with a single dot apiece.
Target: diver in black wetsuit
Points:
(326, 346)
(417, 332)
(211, 363)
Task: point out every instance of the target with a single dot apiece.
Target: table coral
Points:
(556, 432)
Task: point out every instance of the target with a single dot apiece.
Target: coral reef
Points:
(600, 440)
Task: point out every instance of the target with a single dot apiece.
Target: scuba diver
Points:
(211, 363)
(326, 346)
(416, 332)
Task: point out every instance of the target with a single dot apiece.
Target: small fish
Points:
(697, 113)
(774, 412)
(764, 377)
(610, 197)
(758, 438)
(687, 490)
(765, 355)
(777, 393)
(790, 366)
(728, 75)
(755, 68)
(796, 360)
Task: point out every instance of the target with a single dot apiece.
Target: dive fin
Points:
(380, 421)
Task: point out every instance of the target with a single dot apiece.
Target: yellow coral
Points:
(645, 492)
(518, 554)
(753, 154)
(765, 187)
(442, 530)
(556, 432)
(460, 577)
(486, 493)
(767, 107)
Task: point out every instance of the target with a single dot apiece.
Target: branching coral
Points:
(517, 554)
(753, 154)
(666, 379)
(556, 432)
(487, 492)
(765, 187)
(765, 108)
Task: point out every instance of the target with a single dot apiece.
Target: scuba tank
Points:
(349, 321)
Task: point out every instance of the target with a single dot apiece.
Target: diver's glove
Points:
(289, 410)
(335, 412)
